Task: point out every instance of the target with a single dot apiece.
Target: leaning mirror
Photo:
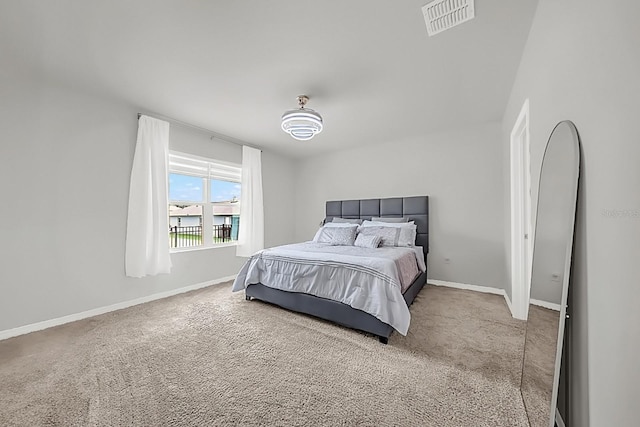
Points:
(551, 267)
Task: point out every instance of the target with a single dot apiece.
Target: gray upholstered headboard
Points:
(416, 208)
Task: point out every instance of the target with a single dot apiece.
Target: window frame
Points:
(206, 203)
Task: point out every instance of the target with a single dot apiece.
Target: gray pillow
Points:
(389, 235)
(379, 219)
(347, 220)
(371, 241)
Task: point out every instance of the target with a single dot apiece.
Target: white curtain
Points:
(251, 232)
(147, 243)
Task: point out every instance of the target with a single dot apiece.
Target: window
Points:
(204, 201)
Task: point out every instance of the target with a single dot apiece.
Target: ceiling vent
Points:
(441, 15)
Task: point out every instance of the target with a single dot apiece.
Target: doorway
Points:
(521, 216)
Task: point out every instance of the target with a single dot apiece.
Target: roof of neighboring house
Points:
(226, 209)
(193, 210)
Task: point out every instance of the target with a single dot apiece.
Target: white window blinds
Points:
(187, 164)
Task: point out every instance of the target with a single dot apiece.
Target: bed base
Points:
(330, 310)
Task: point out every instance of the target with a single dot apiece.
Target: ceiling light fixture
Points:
(302, 123)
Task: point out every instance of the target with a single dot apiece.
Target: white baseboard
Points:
(545, 304)
(506, 298)
(476, 288)
(21, 330)
(559, 420)
(489, 290)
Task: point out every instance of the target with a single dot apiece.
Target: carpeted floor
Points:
(539, 364)
(210, 358)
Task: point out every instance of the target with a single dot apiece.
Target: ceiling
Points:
(232, 66)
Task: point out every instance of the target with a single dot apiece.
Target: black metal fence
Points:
(222, 233)
(184, 237)
(188, 236)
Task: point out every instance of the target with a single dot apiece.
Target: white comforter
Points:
(365, 279)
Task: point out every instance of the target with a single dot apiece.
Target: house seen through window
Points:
(204, 201)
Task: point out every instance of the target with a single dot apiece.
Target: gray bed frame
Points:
(416, 208)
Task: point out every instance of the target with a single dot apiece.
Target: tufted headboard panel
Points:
(416, 208)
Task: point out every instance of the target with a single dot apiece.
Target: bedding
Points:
(336, 232)
(406, 231)
(371, 280)
(388, 235)
(367, 241)
(342, 236)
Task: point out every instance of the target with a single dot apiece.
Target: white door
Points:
(527, 246)
(521, 215)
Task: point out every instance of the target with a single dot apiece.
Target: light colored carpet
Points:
(209, 357)
(539, 364)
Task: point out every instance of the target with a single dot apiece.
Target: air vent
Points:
(441, 15)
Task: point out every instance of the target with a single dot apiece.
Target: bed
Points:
(415, 208)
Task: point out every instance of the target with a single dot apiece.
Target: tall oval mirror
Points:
(552, 249)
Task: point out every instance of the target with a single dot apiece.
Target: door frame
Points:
(521, 229)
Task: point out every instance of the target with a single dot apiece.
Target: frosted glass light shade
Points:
(302, 123)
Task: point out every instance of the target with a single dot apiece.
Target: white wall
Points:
(461, 171)
(66, 162)
(582, 63)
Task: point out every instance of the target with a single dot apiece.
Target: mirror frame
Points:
(567, 270)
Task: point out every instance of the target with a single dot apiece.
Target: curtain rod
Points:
(215, 135)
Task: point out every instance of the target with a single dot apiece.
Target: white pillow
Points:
(368, 223)
(407, 237)
(345, 235)
(371, 241)
(339, 220)
(391, 220)
(408, 231)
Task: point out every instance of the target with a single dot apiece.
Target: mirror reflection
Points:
(553, 243)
